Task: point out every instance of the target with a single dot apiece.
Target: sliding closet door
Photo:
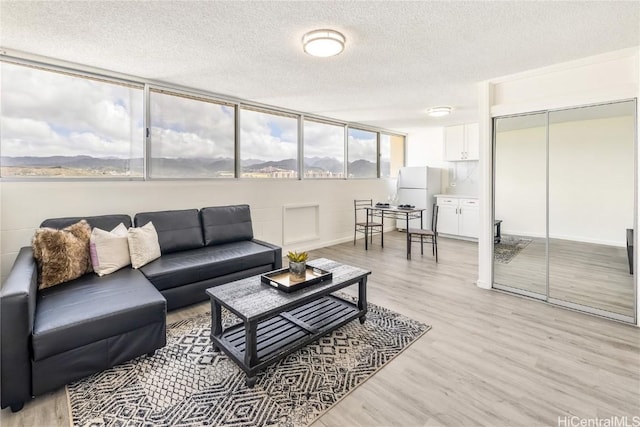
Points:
(520, 194)
(591, 206)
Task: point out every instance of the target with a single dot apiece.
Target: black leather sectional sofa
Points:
(51, 337)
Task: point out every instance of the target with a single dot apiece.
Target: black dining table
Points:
(393, 212)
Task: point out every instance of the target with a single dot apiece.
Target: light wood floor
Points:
(583, 273)
(491, 358)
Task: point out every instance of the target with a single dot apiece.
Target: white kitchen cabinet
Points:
(469, 223)
(447, 216)
(472, 138)
(458, 217)
(462, 142)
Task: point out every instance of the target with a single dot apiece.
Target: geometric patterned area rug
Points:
(187, 384)
(508, 248)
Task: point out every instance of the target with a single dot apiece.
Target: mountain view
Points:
(316, 167)
(69, 166)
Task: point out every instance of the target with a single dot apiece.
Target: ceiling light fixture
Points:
(323, 43)
(439, 111)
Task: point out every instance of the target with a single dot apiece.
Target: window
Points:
(268, 144)
(363, 154)
(391, 154)
(323, 150)
(191, 137)
(64, 125)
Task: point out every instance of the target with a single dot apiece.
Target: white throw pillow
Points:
(143, 245)
(109, 249)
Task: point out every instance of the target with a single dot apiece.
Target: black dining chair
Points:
(361, 225)
(430, 235)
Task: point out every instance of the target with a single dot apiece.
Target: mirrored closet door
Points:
(520, 203)
(564, 184)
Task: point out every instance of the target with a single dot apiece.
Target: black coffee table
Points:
(275, 323)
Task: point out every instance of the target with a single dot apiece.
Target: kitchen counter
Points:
(456, 196)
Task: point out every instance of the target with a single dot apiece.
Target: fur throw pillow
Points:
(62, 255)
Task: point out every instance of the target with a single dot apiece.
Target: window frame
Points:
(377, 155)
(272, 112)
(344, 151)
(148, 134)
(87, 75)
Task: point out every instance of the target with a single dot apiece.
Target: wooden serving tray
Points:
(280, 278)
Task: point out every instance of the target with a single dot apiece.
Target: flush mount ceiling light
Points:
(323, 43)
(439, 111)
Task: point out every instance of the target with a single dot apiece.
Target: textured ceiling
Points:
(400, 57)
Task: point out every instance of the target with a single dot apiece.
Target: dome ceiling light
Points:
(441, 111)
(323, 43)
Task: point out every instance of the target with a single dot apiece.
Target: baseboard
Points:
(323, 244)
(483, 284)
(455, 236)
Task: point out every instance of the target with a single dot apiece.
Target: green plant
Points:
(297, 256)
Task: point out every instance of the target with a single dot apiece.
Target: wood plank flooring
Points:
(491, 358)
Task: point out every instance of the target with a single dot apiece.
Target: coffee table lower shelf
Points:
(284, 333)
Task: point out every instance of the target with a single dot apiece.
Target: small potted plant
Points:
(297, 266)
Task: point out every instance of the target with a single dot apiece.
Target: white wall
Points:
(425, 147)
(609, 77)
(23, 205)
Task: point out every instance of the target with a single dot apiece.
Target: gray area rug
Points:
(187, 384)
(508, 248)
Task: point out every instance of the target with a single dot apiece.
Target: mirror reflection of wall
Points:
(564, 185)
(591, 204)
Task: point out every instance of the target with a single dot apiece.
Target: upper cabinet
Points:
(462, 142)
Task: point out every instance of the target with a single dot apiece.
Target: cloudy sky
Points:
(46, 113)
(267, 136)
(323, 140)
(188, 128)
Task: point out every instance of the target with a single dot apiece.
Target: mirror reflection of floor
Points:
(590, 274)
(525, 270)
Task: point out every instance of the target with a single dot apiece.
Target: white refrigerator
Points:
(418, 186)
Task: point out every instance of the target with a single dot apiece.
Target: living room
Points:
(362, 89)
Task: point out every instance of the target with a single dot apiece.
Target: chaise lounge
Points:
(54, 336)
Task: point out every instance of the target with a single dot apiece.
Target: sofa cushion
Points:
(105, 222)
(185, 267)
(177, 230)
(223, 224)
(92, 308)
(62, 255)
